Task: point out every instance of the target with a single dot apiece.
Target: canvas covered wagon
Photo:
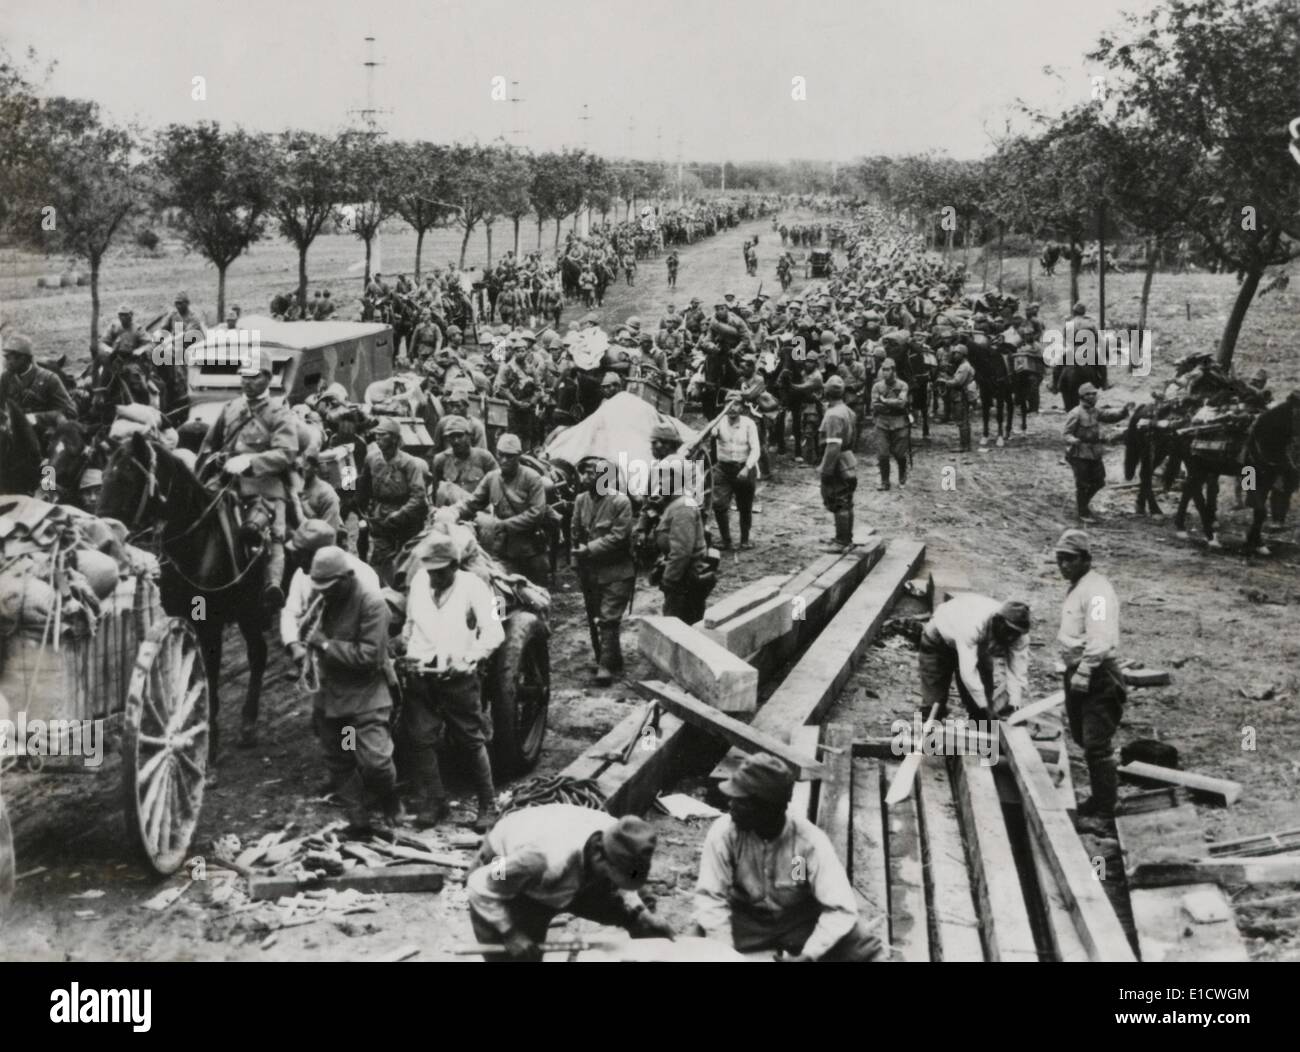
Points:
(88, 655)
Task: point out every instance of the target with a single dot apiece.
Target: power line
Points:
(369, 114)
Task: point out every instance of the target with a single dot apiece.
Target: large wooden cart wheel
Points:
(520, 694)
(165, 745)
(8, 861)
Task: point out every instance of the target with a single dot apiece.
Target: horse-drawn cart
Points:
(91, 667)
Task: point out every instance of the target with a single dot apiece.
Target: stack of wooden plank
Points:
(813, 596)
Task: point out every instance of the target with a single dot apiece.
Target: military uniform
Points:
(267, 431)
(679, 537)
(839, 480)
(607, 573)
(519, 504)
(889, 409)
(350, 713)
(467, 473)
(392, 492)
(1084, 450)
(36, 391)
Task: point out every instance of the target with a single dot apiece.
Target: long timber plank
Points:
(954, 923)
(1067, 947)
(835, 808)
(1094, 916)
(909, 928)
(1004, 917)
(631, 788)
(870, 872)
(802, 797)
(811, 686)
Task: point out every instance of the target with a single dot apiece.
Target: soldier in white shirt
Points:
(1094, 686)
(452, 624)
(983, 641)
(736, 471)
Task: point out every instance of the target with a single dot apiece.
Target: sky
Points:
(709, 79)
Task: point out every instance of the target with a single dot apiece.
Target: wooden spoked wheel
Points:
(8, 861)
(165, 746)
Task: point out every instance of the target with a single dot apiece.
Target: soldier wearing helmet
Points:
(391, 492)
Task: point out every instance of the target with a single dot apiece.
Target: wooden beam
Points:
(632, 788)
(737, 602)
(1274, 843)
(834, 809)
(758, 626)
(801, 799)
(1032, 777)
(744, 737)
(1278, 869)
(811, 686)
(709, 671)
(1028, 712)
(1165, 931)
(1094, 916)
(390, 878)
(954, 923)
(995, 881)
(909, 928)
(1066, 945)
(1228, 791)
(869, 851)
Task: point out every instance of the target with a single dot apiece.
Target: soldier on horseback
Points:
(33, 389)
(255, 442)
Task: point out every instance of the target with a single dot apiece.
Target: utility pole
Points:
(722, 182)
(585, 118)
(680, 199)
(369, 114)
(516, 132)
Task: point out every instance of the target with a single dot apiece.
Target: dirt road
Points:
(1220, 621)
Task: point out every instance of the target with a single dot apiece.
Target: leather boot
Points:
(353, 794)
(487, 794)
(432, 807)
(723, 517)
(1103, 777)
(611, 657)
(883, 464)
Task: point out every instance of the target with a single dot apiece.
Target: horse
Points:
(1264, 448)
(1150, 440)
(570, 272)
(204, 578)
(1071, 377)
(1050, 257)
(993, 376)
(52, 462)
(20, 453)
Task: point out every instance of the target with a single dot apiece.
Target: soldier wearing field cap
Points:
(391, 490)
(602, 545)
(539, 861)
(985, 643)
(610, 385)
(30, 387)
(88, 488)
(1094, 687)
(255, 440)
(464, 465)
(451, 627)
(890, 410)
(456, 403)
(1084, 448)
(515, 495)
(351, 710)
(770, 879)
(839, 467)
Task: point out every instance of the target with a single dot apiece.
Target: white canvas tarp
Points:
(619, 430)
